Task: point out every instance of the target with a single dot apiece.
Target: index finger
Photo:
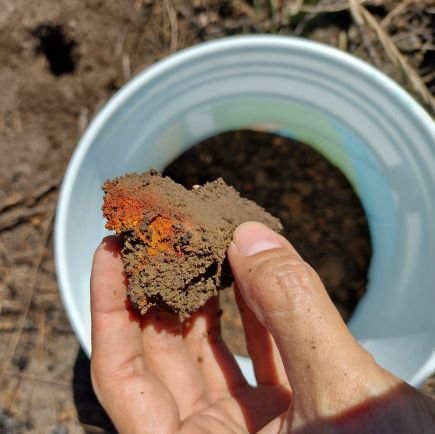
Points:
(115, 336)
(134, 398)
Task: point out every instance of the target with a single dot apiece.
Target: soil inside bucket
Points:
(322, 215)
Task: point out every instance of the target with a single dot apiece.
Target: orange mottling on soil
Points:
(162, 234)
(125, 209)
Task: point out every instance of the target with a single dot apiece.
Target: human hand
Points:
(161, 376)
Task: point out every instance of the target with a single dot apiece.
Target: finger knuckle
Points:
(284, 278)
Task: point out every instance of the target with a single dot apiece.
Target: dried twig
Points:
(5, 254)
(173, 24)
(430, 76)
(397, 10)
(336, 7)
(296, 7)
(16, 199)
(126, 66)
(29, 377)
(82, 120)
(13, 306)
(342, 41)
(14, 217)
(365, 35)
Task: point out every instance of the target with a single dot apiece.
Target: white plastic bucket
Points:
(354, 115)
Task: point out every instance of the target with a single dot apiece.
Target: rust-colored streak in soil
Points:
(147, 214)
(162, 235)
(124, 208)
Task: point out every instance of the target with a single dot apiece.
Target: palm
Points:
(169, 376)
(249, 409)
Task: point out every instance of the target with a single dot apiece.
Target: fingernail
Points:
(251, 238)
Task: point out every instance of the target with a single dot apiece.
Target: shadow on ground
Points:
(91, 415)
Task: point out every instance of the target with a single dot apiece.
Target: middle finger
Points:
(203, 337)
(166, 356)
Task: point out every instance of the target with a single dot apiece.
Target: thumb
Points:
(327, 369)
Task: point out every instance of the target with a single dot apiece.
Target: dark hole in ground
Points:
(225, 9)
(321, 214)
(378, 10)
(57, 48)
(428, 64)
(341, 20)
(89, 411)
(21, 362)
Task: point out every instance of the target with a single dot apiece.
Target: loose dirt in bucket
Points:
(60, 60)
(175, 240)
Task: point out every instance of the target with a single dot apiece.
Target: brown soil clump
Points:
(175, 240)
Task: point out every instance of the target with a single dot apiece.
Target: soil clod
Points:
(174, 239)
